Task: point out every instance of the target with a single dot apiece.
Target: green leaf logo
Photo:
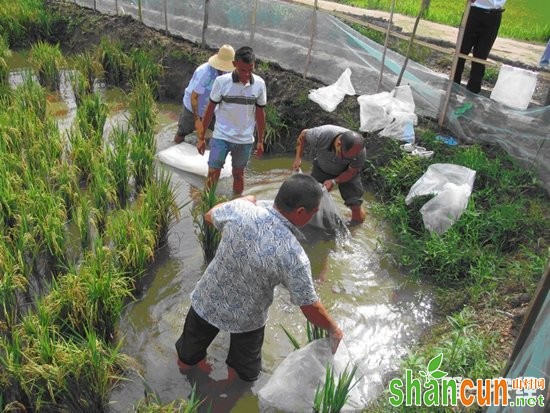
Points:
(432, 371)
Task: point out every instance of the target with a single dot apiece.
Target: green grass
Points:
(522, 20)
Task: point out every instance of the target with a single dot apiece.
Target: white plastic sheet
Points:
(329, 97)
(514, 87)
(185, 157)
(452, 185)
(327, 217)
(292, 386)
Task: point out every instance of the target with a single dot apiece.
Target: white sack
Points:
(292, 386)
(514, 87)
(372, 111)
(452, 185)
(329, 97)
(185, 157)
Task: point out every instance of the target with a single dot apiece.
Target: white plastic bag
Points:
(514, 87)
(292, 386)
(392, 112)
(184, 156)
(329, 97)
(452, 185)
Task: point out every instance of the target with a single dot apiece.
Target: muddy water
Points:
(380, 311)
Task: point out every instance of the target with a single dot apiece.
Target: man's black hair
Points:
(299, 190)
(349, 139)
(245, 54)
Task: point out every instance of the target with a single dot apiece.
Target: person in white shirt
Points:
(480, 34)
(239, 99)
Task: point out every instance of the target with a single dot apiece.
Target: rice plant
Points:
(86, 219)
(114, 61)
(12, 282)
(102, 190)
(333, 395)
(90, 67)
(209, 237)
(142, 154)
(5, 53)
(151, 403)
(118, 159)
(312, 333)
(21, 22)
(133, 239)
(30, 97)
(144, 68)
(48, 60)
(160, 198)
(142, 107)
(82, 153)
(91, 116)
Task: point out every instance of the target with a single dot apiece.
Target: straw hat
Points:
(223, 60)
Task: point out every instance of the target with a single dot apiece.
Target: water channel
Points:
(381, 311)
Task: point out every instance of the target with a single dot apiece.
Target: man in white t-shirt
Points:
(239, 99)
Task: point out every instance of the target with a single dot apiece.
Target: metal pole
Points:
(411, 40)
(253, 29)
(116, 7)
(312, 38)
(205, 23)
(95, 8)
(166, 17)
(443, 111)
(139, 11)
(385, 47)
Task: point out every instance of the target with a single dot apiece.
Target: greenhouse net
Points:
(304, 40)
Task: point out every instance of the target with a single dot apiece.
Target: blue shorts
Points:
(240, 153)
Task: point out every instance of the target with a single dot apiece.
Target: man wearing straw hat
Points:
(195, 98)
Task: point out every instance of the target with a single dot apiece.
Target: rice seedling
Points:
(333, 395)
(114, 61)
(47, 59)
(209, 237)
(160, 198)
(275, 128)
(91, 116)
(5, 52)
(118, 159)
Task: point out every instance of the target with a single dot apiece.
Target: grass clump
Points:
(114, 61)
(275, 129)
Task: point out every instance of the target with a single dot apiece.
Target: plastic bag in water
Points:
(327, 217)
(292, 386)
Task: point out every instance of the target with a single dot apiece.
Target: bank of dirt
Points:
(287, 93)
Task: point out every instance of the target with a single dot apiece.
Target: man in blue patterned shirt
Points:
(258, 251)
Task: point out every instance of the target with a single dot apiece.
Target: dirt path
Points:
(507, 49)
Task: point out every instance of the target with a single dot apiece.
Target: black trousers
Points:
(479, 36)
